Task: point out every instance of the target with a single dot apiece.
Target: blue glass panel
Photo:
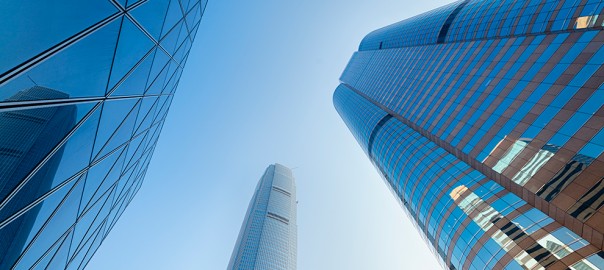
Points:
(17, 234)
(76, 261)
(54, 256)
(170, 40)
(57, 225)
(148, 13)
(114, 112)
(101, 177)
(174, 15)
(90, 221)
(43, 24)
(132, 46)
(81, 70)
(137, 80)
(60, 258)
(159, 68)
(33, 134)
(123, 133)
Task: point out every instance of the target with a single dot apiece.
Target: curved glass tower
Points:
(268, 236)
(485, 119)
(85, 87)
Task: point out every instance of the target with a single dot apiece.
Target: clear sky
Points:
(257, 89)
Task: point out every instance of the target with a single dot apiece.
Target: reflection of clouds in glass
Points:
(26, 137)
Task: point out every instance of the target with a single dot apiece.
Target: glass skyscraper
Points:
(485, 119)
(268, 236)
(85, 87)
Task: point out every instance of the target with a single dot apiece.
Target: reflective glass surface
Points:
(84, 90)
(486, 119)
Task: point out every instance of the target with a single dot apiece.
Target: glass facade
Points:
(485, 119)
(268, 236)
(84, 91)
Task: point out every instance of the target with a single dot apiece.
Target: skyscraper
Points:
(485, 119)
(268, 236)
(84, 91)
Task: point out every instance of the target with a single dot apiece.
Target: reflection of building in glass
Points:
(26, 137)
(267, 239)
(72, 159)
(448, 98)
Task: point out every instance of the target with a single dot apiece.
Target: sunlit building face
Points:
(485, 119)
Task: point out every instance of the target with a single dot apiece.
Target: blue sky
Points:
(257, 90)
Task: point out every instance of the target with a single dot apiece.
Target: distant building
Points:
(485, 119)
(268, 236)
(85, 87)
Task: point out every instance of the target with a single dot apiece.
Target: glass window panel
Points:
(59, 223)
(43, 24)
(16, 235)
(60, 258)
(132, 46)
(33, 134)
(174, 15)
(148, 13)
(80, 70)
(90, 221)
(101, 177)
(113, 114)
(137, 80)
(63, 242)
(75, 261)
(170, 40)
(145, 116)
(122, 134)
(95, 245)
(193, 16)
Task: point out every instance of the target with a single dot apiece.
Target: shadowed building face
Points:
(85, 88)
(485, 119)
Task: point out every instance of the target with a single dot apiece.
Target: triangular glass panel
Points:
(182, 51)
(157, 85)
(133, 160)
(159, 63)
(148, 15)
(60, 258)
(147, 108)
(76, 261)
(194, 31)
(169, 41)
(131, 48)
(172, 82)
(131, 172)
(174, 15)
(101, 177)
(90, 221)
(84, 69)
(135, 144)
(135, 83)
(192, 17)
(184, 34)
(113, 114)
(122, 135)
(185, 4)
(161, 113)
(95, 245)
